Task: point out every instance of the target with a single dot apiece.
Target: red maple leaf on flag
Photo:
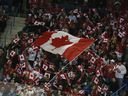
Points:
(60, 41)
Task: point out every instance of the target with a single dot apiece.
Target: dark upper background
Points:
(23, 5)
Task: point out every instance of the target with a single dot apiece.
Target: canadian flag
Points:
(91, 53)
(47, 74)
(18, 70)
(121, 20)
(30, 40)
(23, 65)
(63, 76)
(31, 76)
(21, 57)
(81, 92)
(105, 40)
(63, 44)
(12, 53)
(121, 34)
(88, 28)
(45, 67)
(92, 60)
(16, 40)
(96, 80)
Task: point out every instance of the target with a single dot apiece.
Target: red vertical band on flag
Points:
(43, 38)
(77, 48)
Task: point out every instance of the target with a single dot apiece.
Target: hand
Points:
(109, 70)
(118, 70)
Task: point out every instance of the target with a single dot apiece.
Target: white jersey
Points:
(32, 54)
(122, 72)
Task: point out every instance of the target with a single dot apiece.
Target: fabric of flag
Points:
(95, 80)
(30, 40)
(18, 70)
(16, 40)
(91, 55)
(31, 76)
(45, 67)
(63, 44)
(81, 92)
(92, 60)
(63, 76)
(105, 40)
(47, 75)
(12, 53)
(104, 37)
(23, 65)
(121, 20)
(121, 34)
(21, 57)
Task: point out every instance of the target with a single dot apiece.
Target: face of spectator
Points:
(119, 63)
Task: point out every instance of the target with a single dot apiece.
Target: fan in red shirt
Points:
(108, 70)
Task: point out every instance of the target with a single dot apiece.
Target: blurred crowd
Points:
(3, 19)
(99, 71)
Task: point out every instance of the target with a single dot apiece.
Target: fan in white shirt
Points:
(120, 70)
(119, 73)
(31, 56)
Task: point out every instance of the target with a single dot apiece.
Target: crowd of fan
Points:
(93, 73)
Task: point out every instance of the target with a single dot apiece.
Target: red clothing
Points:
(108, 71)
(99, 62)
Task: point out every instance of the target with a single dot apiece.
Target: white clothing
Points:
(32, 54)
(72, 17)
(1, 94)
(122, 72)
(119, 55)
